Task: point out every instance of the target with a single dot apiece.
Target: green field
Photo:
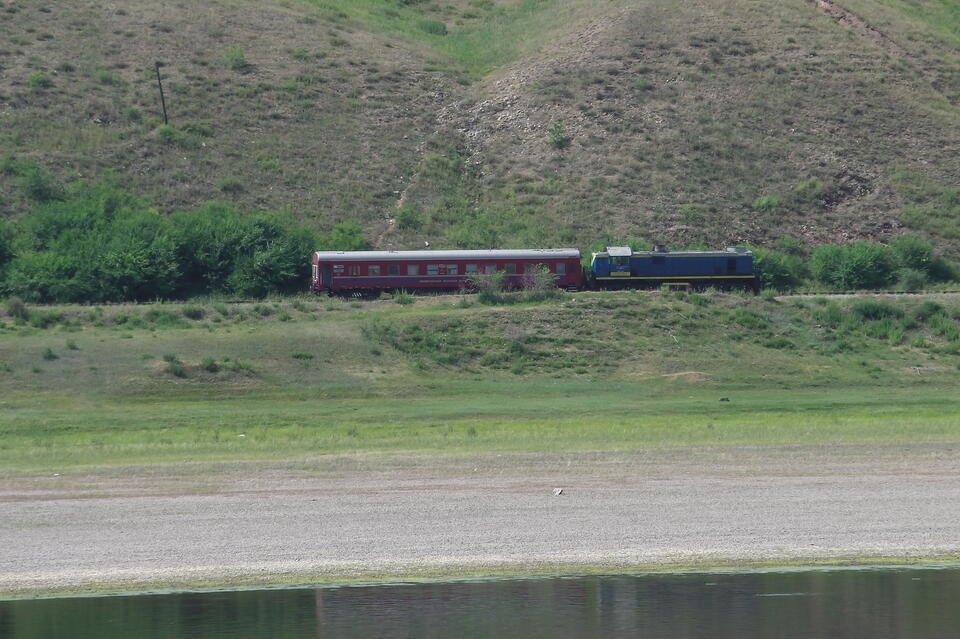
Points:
(298, 378)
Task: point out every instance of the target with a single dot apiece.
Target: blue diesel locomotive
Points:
(622, 267)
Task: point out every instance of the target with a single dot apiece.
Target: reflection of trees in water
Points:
(856, 603)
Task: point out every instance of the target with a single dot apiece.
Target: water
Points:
(875, 604)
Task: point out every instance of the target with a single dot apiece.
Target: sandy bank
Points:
(347, 517)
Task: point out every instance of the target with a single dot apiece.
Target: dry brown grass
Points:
(697, 122)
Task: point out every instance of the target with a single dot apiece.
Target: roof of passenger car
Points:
(505, 254)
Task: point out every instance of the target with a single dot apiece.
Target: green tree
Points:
(777, 271)
(858, 265)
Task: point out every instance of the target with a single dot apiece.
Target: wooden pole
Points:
(163, 102)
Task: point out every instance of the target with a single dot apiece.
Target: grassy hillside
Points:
(481, 123)
(598, 371)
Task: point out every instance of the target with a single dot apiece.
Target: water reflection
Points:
(862, 603)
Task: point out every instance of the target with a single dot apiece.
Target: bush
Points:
(408, 218)
(38, 185)
(193, 312)
(210, 365)
(779, 343)
(231, 184)
(433, 27)
(176, 369)
(776, 270)
(910, 279)
(404, 298)
(235, 59)
(39, 80)
(749, 318)
(912, 252)
(790, 246)
(557, 136)
(859, 265)
(875, 309)
(175, 137)
(767, 203)
(17, 309)
(237, 366)
(926, 310)
(49, 355)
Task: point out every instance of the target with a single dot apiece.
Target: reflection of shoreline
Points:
(876, 603)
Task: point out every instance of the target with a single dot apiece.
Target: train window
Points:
(338, 268)
(731, 265)
(413, 269)
(510, 268)
(471, 268)
(354, 269)
(393, 269)
(561, 268)
(314, 272)
(373, 269)
(489, 268)
(622, 260)
(433, 269)
(452, 269)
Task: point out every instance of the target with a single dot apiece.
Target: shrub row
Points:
(908, 262)
(99, 244)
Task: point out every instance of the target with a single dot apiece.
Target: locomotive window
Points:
(354, 269)
(731, 265)
(561, 268)
(451, 269)
(373, 269)
(432, 269)
(510, 268)
(622, 261)
(338, 268)
(659, 260)
(471, 268)
(393, 269)
(489, 268)
(314, 271)
(413, 269)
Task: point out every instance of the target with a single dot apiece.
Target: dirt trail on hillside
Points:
(879, 38)
(349, 516)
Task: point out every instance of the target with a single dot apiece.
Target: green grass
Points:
(941, 17)
(64, 433)
(601, 371)
(475, 37)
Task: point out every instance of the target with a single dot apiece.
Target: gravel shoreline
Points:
(351, 517)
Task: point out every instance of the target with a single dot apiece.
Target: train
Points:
(362, 273)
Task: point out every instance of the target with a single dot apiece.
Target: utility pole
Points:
(163, 102)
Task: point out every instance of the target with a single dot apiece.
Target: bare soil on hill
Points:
(372, 517)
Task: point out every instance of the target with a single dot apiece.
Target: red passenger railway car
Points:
(348, 272)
